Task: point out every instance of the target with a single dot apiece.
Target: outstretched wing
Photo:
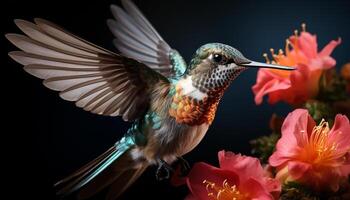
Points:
(136, 38)
(96, 79)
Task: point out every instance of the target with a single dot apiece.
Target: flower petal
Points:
(328, 62)
(345, 170)
(274, 187)
(328, 49)
(266, 83)
(308, 44)
(340, 133)
(191, 197)
(202, 171)
(177, 179)
(297, 122)
(244, 165)
(294, 134)
(298, 169)
(255, 190)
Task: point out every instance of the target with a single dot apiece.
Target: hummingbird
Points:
(170, 103)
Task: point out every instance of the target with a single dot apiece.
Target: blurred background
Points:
(48, 138)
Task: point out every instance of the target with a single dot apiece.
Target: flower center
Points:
(224, 191)
(286, 58)
(319, 148)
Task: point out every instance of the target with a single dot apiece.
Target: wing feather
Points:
(35, 33)
(98, 80)
(136, 38)
(63, 35)
(139, 18)
(122, 33)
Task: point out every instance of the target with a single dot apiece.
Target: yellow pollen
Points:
(266, 58)
(284, 57)
(276, 58)
(280, 52)
(296, 33)
(287, 46)
(223, 192)
(303, 27)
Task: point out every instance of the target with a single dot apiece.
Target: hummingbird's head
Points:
(215, 65)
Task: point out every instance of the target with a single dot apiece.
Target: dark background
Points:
(45, 138)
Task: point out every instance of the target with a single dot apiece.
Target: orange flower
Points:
(313, 155)
(295, 87)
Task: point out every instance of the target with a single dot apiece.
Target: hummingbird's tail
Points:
(115, 167)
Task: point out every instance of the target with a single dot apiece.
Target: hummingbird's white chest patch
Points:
(186, 85)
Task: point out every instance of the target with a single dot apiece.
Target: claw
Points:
(163, 171)
(184, 166)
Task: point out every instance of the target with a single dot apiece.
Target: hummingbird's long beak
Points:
(265, 65)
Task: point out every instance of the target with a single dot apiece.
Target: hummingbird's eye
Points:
(218, 58)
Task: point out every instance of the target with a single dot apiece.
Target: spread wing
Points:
(96, 79)
(136, 38)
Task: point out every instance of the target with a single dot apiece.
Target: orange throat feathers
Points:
(189, 110)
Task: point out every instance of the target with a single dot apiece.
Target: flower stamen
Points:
(303, 27)
(296, 33)
(287, 47)
(223, 192)
(266, 58)
(320, 148)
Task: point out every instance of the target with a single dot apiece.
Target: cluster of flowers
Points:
(308, 154)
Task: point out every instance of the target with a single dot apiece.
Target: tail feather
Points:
(85, 169)
(113, 166)
(124, 181)
(115, 173)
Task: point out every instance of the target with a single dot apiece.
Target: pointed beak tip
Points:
(266, 65)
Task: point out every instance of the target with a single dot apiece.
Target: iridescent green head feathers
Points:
(218, 53)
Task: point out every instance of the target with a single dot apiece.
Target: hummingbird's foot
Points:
(184, 166)
(164, 170)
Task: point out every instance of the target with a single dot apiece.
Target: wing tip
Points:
(8, 35)
(17, 21)
(115, 9)
(112, 6)
(130, 5)
(43, 22)
(126, 2)
(11, 53)
(39, 20)
(47, 83)
(20, 23)
(25, 26)
(15, 55)
(16, 39)
(30, 70)
(13, 37)
(66, 97)
(110, 22)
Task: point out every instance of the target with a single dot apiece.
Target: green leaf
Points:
(332, 87)
(320, 110)
(264, 146)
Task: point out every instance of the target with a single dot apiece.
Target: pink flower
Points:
(239, 177)
(295, 87)
(312, 155)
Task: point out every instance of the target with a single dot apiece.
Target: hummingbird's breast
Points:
(191, 106)
(172, 140)
(179, 118)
